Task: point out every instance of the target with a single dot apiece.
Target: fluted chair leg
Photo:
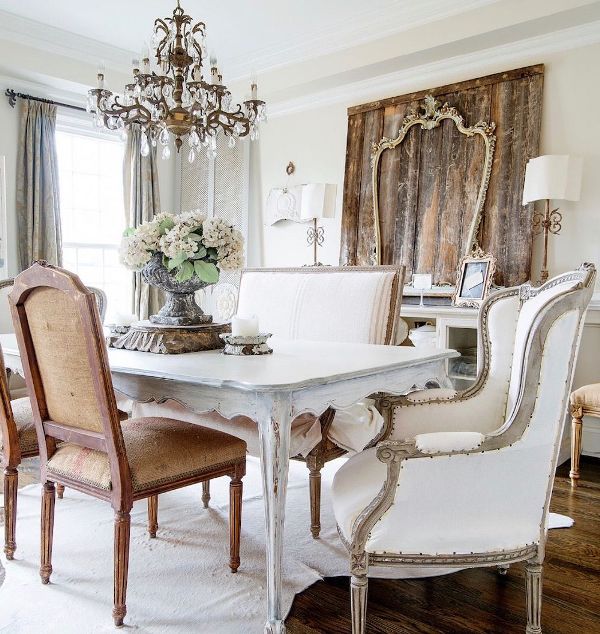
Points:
(533, 588)
(576, 432)
(206, 493)
(358, 600)
(314, 481)
(152, 515)
(48, 500)
(121, 563)
(236, 488)
(60, 489)
(11, 484)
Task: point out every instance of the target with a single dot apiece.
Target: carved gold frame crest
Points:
(430, 117)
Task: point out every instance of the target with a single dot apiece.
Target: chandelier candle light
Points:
(176, 98)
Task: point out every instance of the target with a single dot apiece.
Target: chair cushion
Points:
(23, 416)
(587, 397)
(160, 451)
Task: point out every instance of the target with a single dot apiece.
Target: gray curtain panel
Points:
(142, 202)
(37, 197)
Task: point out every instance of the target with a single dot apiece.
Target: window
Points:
(90, 169)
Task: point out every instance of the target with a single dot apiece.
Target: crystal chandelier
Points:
(177, 99)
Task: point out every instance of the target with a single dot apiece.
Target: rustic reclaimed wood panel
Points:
(428, 185)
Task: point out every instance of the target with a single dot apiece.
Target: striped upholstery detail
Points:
(159, 451)
(23, 417)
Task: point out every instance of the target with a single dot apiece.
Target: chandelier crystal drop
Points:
(176, 98)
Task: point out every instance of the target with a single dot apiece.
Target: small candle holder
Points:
(241, 345)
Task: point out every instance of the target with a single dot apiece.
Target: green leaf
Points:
(212, 253)
(128, 232)
(177, 261)
(206, 271)
(185, 272)
(166, 225)
(200, 253)
(195, 236)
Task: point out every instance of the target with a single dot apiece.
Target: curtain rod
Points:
(12, 100)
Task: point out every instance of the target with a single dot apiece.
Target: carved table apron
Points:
(300, 376)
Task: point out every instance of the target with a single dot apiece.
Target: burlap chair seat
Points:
(587, 397)
(23, 416)
(159, 451)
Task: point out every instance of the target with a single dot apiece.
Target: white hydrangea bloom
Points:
(146, 240)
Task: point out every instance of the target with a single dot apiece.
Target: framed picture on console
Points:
(473, 280)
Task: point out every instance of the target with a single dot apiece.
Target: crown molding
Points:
(390, 83)
(362, 28)
(50, 39)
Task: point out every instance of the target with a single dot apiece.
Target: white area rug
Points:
(179, 582)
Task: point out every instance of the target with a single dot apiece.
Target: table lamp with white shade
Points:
(318, 201)
(551, 177)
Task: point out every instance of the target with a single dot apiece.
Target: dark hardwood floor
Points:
(480, 600)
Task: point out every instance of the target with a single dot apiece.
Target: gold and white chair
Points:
(343, 304)
(473, 490)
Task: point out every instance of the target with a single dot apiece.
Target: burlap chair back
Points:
(60, 345)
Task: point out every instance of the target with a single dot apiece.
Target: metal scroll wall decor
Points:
(431, 116)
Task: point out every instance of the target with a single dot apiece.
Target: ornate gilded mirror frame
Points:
(431, 117)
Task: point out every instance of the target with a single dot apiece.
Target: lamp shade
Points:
(553, 177)
(318, 201)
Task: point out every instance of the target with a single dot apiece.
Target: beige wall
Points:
(316, 141)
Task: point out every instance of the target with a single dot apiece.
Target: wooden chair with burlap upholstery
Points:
(18, 439)
(65, 363)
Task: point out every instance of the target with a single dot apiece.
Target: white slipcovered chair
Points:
(477, 495)
(344, 304)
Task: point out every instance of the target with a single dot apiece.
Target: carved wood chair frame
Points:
(12, 454)
(431, 117)
(394, 453)
(110, 441)
(327, 450)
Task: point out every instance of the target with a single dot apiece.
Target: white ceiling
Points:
(246, 35)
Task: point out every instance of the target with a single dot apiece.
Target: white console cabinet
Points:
(456, 328)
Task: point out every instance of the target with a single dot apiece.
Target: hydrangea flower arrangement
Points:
(191, 245)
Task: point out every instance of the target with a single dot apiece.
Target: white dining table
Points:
(300, 376)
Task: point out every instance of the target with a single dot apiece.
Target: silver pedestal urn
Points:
(180, 308)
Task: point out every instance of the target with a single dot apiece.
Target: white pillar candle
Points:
(241, 327)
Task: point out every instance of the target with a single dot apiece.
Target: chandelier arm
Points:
(118, 110)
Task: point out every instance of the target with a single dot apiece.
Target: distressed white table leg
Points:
(274, 423)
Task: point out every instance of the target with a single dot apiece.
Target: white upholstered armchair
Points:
(343, 304)
(474, 490)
